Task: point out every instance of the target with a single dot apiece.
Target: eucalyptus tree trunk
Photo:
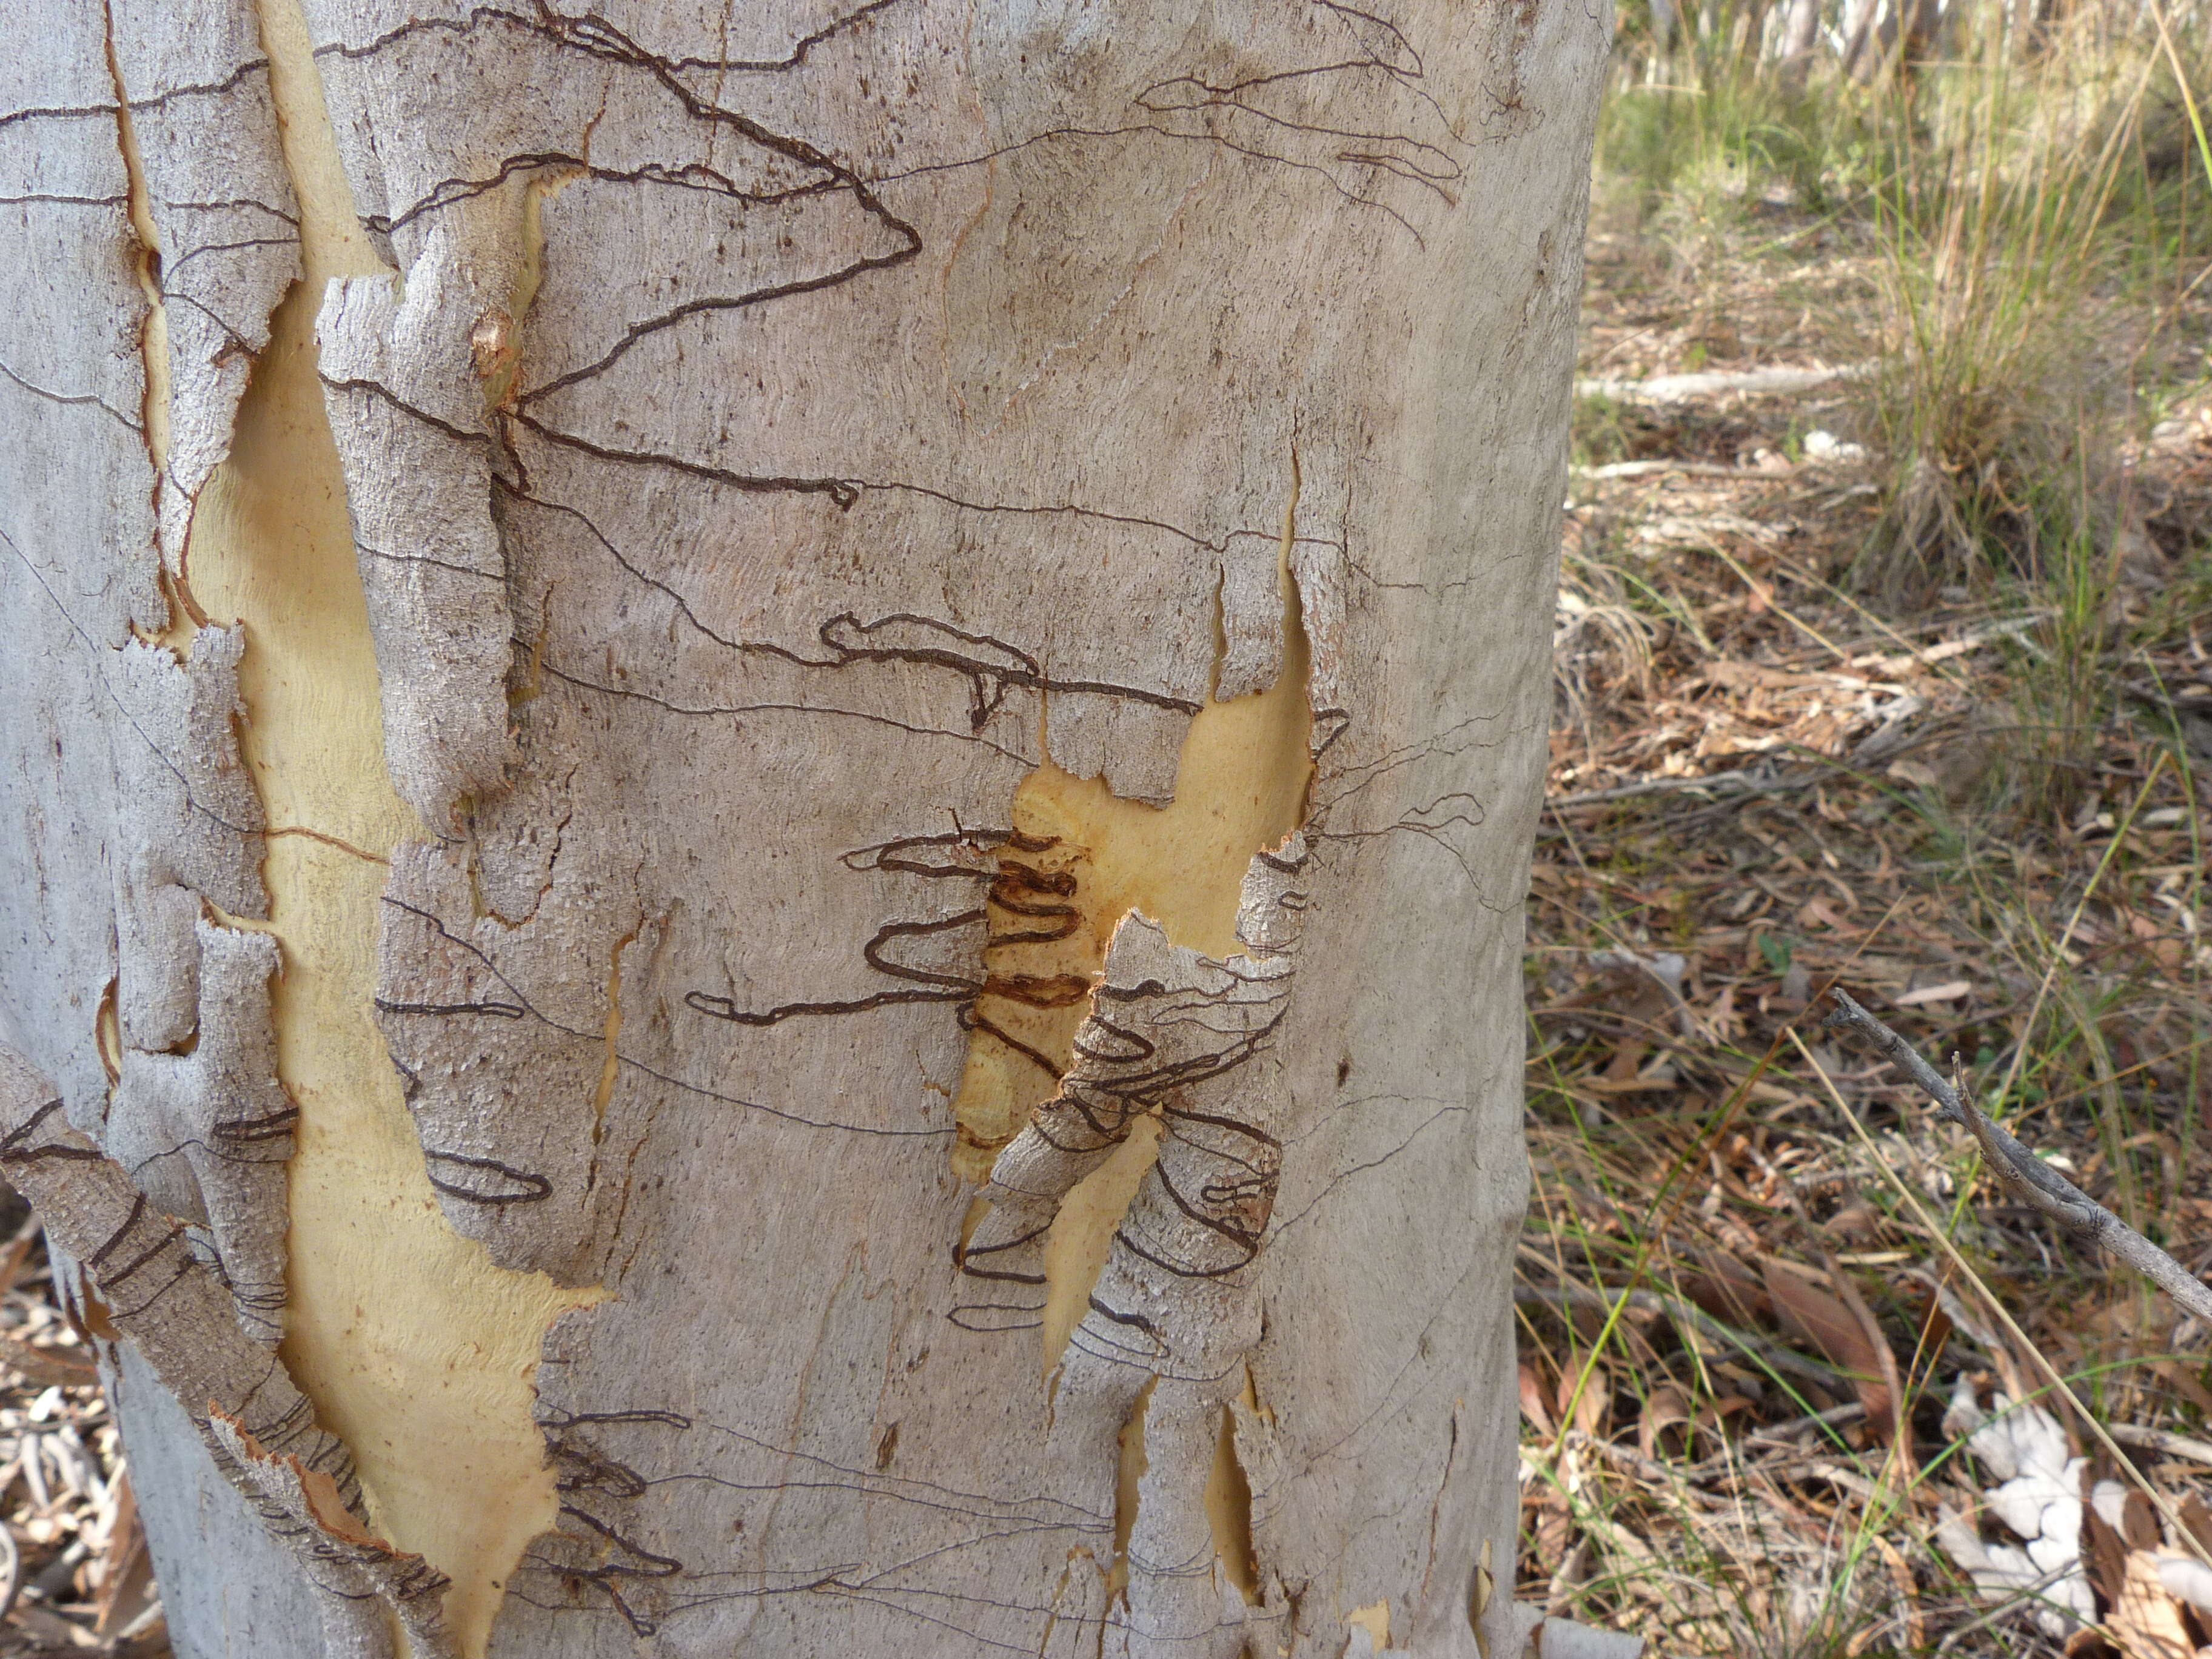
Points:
(1867, 31)
(768, 774)
(1799, 39)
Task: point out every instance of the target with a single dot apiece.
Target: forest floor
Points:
(1783, 1338)
(75, 1577)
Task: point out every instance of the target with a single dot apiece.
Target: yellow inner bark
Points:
(415, 1349)
(1375, 1619)
(1241, 786)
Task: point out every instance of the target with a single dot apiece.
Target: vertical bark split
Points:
(820, 516)
(415, 1347)
(212, 207)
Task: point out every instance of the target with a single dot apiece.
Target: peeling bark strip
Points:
(218, 228)
(144, 1283)
(1175, 1313)
(820, 477)
(195, 1113)
(1168, 1030)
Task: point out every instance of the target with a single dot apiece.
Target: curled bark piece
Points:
(2023, 1174)
(1125, 1067)
(1174, 1313)
(195, 1113)
(143, 1281)
(363, 1573)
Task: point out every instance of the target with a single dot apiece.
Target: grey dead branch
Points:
(1747, 383)
(2022, 1173)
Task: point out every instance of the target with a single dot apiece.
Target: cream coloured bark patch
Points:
(1082, 1232)
(414, 1347)
(1241, 786)
(1375, 1619)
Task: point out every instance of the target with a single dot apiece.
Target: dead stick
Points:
(2022, 1174)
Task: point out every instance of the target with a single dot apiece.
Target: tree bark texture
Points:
(767, 773)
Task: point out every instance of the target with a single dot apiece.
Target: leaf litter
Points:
(75, 1575)
(1761, 1411)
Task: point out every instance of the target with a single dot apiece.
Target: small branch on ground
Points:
(1690, 469)
(2024, 1175)
(2163, 1442)
(1731, 783)
(1752, 383)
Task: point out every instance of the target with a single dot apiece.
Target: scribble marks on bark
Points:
(196, 1113)
(1174, 1311)
(79, 500)
(1028, 886)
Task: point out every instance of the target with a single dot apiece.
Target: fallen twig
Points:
(1867, 1491)
(2162, 1442)
(1752, 382)
(2027, 1177)
(1735, 783)
(1692, 469)
(1740, 781)
(1645, 1469)
(1787, 1434)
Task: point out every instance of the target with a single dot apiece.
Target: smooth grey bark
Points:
(1801, 38)
(771, 437)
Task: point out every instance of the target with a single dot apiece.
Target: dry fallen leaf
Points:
(1532, 1403)
(2147, 1621)
(1812, 1314)
(1665, 1407)
(1589, 1408)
